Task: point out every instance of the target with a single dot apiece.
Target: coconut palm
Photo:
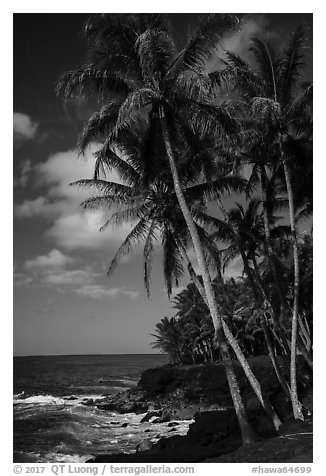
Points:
(135, 61)
(164, 222)
(242, 230)
(169, 339)
(281, 109)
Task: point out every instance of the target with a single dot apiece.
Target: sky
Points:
(63, 301)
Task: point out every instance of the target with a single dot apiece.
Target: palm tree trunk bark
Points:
(269, 343)
(269, 247)
(249, 274)
(246, 431)
(296, 405)
(255, 385)
(281, 339)
(273, 359)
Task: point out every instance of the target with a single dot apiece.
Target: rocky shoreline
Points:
(200, 393)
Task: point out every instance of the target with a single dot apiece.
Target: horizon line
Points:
(101, 353)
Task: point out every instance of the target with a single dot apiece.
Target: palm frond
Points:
(238, 74)
(253, 180)
(210, 120)
(221, 230)
(100, 124)
(82, 83)
(268, 62)
(202, 44)
(229, 255)
(300, 107)
(127, 215)
(133, 109)
(172, 263)
(156, 50)
(137, 235)
(106, 202)
(104, 186)
(215, 188)
(108, 160)
(193, 85)
(292, 63)
(148, 256)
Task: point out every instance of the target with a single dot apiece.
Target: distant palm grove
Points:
(214, 156)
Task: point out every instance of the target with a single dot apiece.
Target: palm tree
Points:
(282, 113)
(134, 60)
(157, 214)
(168, 339)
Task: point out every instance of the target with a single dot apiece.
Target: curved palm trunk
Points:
(269, 342)
(269, 247)
(255, 385)
(246, 431)
(296, 405)
(273, 358)
(249, 274)
(270, 307)
(271, 259)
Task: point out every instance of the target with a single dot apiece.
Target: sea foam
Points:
(41, 400)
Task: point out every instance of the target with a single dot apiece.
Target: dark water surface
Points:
(48, 427)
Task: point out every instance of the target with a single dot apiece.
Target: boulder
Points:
(87, 402)
(210, 427)
(145, 445)
(150, 415)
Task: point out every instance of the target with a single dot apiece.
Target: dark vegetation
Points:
(183, 137)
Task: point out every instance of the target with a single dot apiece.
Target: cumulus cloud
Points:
(54, 259)
(71, 228)
(81, 230)
(51, 269)
(40, 207)
(24, 128)
(97, 291)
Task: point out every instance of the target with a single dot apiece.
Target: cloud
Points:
(255, 24)
(70, 277)
(51, 270)
(25, 172)
(24, 128)
(81, 230)
(54, 259)
(22, 279)
(40, 207)
(96, 291)
(71, 227)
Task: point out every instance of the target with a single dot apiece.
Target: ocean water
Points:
(49, 426)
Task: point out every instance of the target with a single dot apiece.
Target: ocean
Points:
(51, 424)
